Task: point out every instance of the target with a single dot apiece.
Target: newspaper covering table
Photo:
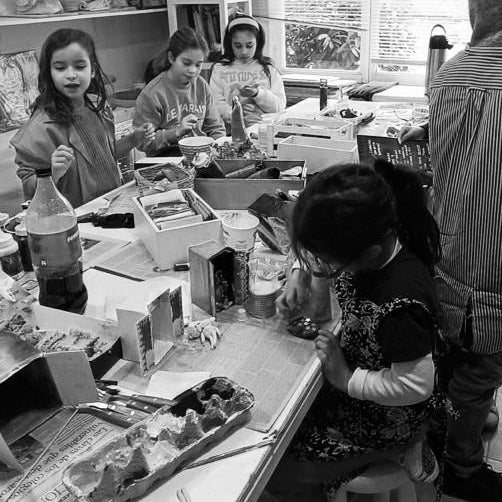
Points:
(259, 354)
(44, 484)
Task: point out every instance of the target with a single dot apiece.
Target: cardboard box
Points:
(211, 274)
(231, 193)
(170, 246)
(318, 153)
(45, 318)
(149, 328)
(34, 386)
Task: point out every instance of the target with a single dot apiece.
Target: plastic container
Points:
(239, 230)
(10, 258)
(191, 145)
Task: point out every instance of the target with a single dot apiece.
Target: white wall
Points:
(124, 43)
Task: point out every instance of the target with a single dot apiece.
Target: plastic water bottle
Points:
(323, 93)
(55, 248)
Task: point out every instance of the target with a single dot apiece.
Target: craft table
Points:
(241, 477)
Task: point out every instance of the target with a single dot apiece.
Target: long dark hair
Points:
(345, 209)
(228, 53)
(181, 40)
(55, 104)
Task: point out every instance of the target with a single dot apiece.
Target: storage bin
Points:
(170, 246)
(318, 153)
(228, 193)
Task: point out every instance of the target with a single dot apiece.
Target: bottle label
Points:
(53, 254)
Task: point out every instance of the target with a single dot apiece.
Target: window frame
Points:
(368, 67)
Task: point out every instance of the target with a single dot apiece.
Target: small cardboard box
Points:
(34, 386)
(318, 153)
(211, 273)
(150, 324)
(110, 349)
(232, 193)
(170, 246)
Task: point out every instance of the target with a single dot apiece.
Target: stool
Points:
(384, 479)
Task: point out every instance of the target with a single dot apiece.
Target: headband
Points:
(243, 20)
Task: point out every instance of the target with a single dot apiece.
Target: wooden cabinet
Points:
(207, 16)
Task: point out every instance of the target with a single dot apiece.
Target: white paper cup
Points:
(239, 230)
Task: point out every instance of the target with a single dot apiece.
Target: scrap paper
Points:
(169, 384)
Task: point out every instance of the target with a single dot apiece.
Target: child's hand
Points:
(248, 108)
(61, 158)
(187, 124)
(334, 364)
(296, 293)
(144, 134)
(249, 91)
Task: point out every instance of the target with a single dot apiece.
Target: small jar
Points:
(10, 258)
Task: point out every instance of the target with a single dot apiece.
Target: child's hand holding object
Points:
(145, 133)
(334, 364)
(249, 91)
(61, 158)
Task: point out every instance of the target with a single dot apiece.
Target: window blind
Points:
(400, 29)
(333, 14)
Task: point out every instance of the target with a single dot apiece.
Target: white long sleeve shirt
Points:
(402, 384)
(226, 81)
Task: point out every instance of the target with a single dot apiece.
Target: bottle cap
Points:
(44, 172)
(21, 230)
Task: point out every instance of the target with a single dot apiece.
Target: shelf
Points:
(70, 16)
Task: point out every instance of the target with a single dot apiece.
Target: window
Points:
(361, 39)
(400, 32)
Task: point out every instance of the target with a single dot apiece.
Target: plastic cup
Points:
(239, 231)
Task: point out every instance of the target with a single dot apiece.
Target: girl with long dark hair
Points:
(71, 127)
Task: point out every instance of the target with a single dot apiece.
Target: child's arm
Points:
(35, 144)
(149, 109)
(402, 384)
(272, 100)
(142, 135)
(218, 91)
(213, 124)
(296, 292)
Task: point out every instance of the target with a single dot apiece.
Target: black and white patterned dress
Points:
(338, 426)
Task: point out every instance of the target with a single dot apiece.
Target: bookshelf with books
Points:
(207, 16)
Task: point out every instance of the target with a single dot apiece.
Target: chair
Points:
(385, 480)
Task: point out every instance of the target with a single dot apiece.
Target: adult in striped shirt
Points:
(465, 133)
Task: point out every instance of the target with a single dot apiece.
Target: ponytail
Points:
(416, 227)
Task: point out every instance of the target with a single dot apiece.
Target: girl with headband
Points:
(245, 72)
